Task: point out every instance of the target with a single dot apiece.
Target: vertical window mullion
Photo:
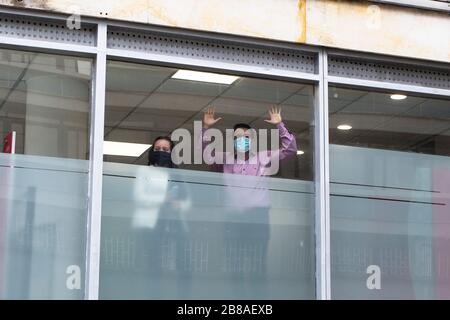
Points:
(322, 180)
(96, 167)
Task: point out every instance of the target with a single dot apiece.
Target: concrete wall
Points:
(346, 24)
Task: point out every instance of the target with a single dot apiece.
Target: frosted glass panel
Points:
(169, 233)
(204, 230)
(43, 227)
(44, 132)
(390, 186)
(393, 214)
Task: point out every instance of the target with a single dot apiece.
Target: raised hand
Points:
(275, 116)
(208, 118)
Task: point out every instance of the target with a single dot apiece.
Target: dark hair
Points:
(151, 160)
(241, 125)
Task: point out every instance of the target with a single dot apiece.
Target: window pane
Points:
(389, 174)
(44, 118)
(205, 231)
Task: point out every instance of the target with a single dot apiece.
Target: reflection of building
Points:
(196, 255)
(369, 185)
(119, 253)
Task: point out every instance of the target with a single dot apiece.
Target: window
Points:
(44, 120)
(389, 173)
(204, 231)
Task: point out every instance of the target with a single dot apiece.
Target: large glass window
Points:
(44, 121)
(389, 174)
(199, 229)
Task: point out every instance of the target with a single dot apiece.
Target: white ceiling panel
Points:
(296, 127)
(132, 135)
(375, 103)
(180, 102)
(300, 100)
(296, 113)
(357, 121)
(268, 91)
(114, 115)
(123, 99)
(146, 121)
(345, 94)
(135, 78)
(189, 87)
(432, 108)
(424, 126)
(230, 106)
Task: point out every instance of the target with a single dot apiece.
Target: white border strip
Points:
(387, 86)
(46, 46)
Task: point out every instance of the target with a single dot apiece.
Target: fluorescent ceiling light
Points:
(300, 152)
(398, 97)
(114, 148)
(344, 127)
(204, 76)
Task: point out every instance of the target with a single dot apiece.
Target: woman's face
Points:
(162, 145)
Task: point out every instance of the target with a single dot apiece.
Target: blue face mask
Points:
(242, 144)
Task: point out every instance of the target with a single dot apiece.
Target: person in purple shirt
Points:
(243, 142)
(254, 191)
(247, 201)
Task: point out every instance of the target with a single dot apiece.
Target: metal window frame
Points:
(92, 276)
(322, 179)
(227, 67)
(383, 85)
(100, 53)
(321, 81)
(322, 262)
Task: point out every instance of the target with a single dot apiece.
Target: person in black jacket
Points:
(170, 234)
(159, 154)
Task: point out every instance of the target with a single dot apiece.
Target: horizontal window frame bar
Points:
(382, 58)
(198, 64)
(48, 47)
(216, 36)
(389, 86)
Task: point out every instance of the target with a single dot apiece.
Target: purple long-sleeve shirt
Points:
(251, 192)
(258, 166)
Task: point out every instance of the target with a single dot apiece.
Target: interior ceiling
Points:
(144, 102)
(16, 68)
(144, 99)
(379, 121)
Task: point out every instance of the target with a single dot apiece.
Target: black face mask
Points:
(162, 159)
